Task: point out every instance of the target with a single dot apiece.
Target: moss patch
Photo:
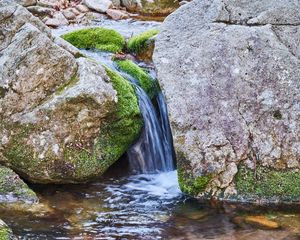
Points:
(149, 85)
(268, 183)
(192, 186)
(5, 231)
(127, 122)
(96, 38)
(136, 44)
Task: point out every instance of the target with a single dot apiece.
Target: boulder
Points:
(63, 118)
(98, 5)
(13, 189)
(230, 71)
(25, 3)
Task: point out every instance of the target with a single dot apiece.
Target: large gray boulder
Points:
(230, 71)
(61, 114)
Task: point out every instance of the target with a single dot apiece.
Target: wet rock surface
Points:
(230, 73)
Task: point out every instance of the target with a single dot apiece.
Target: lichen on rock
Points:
(5, 232)
(96, 38)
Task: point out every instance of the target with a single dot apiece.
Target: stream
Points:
(139, 196)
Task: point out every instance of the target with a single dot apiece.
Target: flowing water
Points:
(147, 204)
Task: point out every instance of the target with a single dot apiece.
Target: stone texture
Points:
(82, 8)
(55, 105)
(98, 5)
(25, 3)
(41, 12)
(69, 14)
(230, 71)
(57, 20)
(13, 189)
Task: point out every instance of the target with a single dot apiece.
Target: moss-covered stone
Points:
(96, 38)
(149, 85)
(268, 183)
(127, 124)
(192, 186)
(5, 232)
(12, 188)
(76, 161)
(136, 44)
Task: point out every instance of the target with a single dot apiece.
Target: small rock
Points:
(117, 14)
(41, 12)
(261, 221)
(26, 3)
(183, 3)
(82, 8)
(47, 3)
(57, 20)
(69, 14)
(98, 5)
(75, 11)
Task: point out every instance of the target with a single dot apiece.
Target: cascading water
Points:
(153, 152)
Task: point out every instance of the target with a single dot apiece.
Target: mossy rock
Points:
(79, 160)
(266, 183)
(5, 232)
(192, 185)
(149, 84)
(13, 189)
(139, 43)
(96, 38)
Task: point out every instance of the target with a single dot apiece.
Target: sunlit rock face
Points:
(230, 71)
(56, 107)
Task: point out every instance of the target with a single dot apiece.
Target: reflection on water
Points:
(120, 206)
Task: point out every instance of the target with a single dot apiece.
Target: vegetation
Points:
(267, 183)
(137, 43)
(149, 85)
(96, 38)
(193, 186)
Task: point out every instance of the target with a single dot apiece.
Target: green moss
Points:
(96, 38)
(149, 85)
(5, 234)
(192, 186)
(127, 122)
(137, 43)
(268, 183)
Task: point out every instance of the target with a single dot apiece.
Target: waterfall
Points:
(153, 152)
